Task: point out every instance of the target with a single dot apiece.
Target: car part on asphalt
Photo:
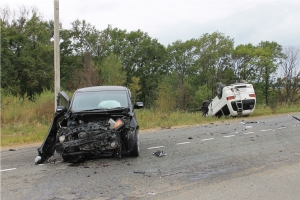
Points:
(159, 153)
(296, 118)
(99, 121)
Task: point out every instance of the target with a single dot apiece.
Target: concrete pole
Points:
(56, 52)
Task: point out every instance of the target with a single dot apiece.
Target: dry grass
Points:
(24, 121)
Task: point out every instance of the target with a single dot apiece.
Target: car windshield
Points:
(99, 100)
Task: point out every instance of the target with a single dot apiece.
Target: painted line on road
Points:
(281, 127)
(267, 130)
(155, 147)
(4, 170)
(227, 136)
(207, 139)
(183, 143)
(248, 133)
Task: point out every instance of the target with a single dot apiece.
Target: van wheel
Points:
(219, 89)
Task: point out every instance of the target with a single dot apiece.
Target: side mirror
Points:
(60, 109)
(138, 105)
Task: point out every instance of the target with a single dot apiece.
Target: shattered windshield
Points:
(101, 100)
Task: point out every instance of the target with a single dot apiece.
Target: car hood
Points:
(115, 111)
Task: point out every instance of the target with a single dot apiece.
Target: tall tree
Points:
(111, 71)
(268, 56)
(243, 60)
(214, 62)
(27, 52)
(288, 85)
(182, 58)
(144, 57)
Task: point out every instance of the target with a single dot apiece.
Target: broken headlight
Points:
(115, 125)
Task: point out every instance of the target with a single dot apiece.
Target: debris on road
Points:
(139, 172)
(296, 118)
(51, 161)
(159, 153)
(13, 149)
(190, 138)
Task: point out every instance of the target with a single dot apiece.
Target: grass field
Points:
(24, 121)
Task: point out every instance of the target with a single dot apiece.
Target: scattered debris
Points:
(223, 133)
(251, 122)
(151, 193)
(50, 161)
(13, 149)
(139, 172)
(252, 138)
(246, 127)
(296, 118)
(190, 138)
(37, 160)
(159, 153)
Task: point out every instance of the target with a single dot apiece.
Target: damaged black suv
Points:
(98, 121)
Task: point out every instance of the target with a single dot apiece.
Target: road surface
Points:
(241, 158)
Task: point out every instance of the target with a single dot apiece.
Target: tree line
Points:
(179, 76)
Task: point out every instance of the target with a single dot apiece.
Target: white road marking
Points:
(155, 147)
(281, 127)
(229, 136)
(267, 130)
(207, 139)
(248, 133)
(3, 170)
(184, 143)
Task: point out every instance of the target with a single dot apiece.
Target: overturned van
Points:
(237, 99)
(99, 121)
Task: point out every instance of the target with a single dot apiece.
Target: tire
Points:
(71, 159)
(206, 103)
(219, 89)
(136, 147)
(204, 107)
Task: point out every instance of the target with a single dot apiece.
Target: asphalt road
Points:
(242, 158)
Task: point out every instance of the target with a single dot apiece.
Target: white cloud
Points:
(247, 21)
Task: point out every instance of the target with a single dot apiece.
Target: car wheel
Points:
(136, 146)
(71, 159)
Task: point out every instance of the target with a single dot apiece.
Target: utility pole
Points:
(56, 52)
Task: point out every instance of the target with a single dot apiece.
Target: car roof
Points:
(102, 88)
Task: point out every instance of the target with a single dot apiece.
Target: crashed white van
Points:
(238, 99)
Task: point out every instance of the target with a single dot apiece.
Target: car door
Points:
(48, 147)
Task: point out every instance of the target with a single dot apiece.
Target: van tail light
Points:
(230, 98)
(252, 95)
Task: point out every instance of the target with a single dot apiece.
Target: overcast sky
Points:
(246, 21)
